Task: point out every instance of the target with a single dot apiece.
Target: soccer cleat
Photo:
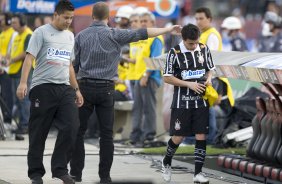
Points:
(200, 178)
(166, 172)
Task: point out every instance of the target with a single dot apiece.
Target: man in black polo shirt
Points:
(188, 67)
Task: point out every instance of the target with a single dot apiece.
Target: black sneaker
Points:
(37, 180)
(106, 180)
(76, 178)
(67, 179)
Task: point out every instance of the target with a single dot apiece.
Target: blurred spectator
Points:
(271, 5)
(122, 16)
(47, 20)
(134, 49)
(6, 38)
(233, 26)
(144, 107)
(271, 39)
(37, 22)
(209, 35)
(15, 62)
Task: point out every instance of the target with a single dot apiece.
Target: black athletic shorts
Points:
(188, 122)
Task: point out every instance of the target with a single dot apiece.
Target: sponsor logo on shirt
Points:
(188, 98)
(192, 74)
(57, 54)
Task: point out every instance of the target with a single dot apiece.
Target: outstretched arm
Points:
(153, 32)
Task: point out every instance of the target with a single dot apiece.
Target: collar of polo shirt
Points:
(184, 49)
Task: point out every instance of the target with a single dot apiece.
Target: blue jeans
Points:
(212, 126)
(144, 112)
(22, 105)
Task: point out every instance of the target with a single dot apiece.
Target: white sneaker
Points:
(200, 178)
(166, 172)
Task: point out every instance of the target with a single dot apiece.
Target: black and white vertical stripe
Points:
(98, 50)
(178, 63)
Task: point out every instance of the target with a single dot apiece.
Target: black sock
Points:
(171, 149)
(200, 154)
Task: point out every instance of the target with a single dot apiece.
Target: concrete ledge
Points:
(123, 105)
(122, 122)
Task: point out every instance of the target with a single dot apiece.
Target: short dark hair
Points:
(21, 17)
(206, 11)
(191, 32)
(64, 5)
(100, 11)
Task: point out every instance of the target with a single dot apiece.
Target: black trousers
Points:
(98, 94)
(51, 104)
(6, 94)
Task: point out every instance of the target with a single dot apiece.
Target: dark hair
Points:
(191, 32)
(206, 11)
(8, 17)
(21, 17)
(100, 11)
(64, 5)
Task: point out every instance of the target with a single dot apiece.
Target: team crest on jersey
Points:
(200, 58)
(177, 125)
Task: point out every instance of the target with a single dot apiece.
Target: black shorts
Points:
(188, 122)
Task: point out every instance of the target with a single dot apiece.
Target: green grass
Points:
(189, 150)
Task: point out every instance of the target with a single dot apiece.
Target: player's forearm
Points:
(153, 32)
(27, 64)
(73, 81)
(209, 76)
(175, 81)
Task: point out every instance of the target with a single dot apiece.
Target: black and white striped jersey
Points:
(188, 66)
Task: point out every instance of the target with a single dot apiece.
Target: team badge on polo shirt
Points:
(36, 103)
(177, 125)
